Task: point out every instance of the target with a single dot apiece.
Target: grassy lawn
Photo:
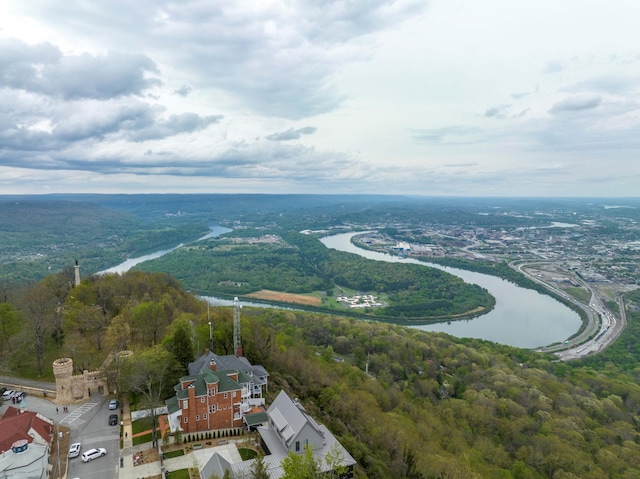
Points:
(176, 453)
(141, 425)
(179, 474)
(247, 454)
(142, 439)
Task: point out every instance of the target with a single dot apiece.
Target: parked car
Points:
(113, 404)
(8, 394)
(92, 454)
(113, 420)
(19, 396)
(74, 449)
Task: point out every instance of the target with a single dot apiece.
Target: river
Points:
(522, 317)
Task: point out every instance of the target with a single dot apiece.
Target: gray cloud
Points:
(291, 134)
(174, 125)
(499, 111)
(43, 69)
(576, 103)
(184, 90)
(276, 60)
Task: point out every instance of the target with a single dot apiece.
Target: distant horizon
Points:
(399, 195)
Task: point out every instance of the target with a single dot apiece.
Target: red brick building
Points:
(209, 401)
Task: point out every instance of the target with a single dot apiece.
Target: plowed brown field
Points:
(285, 297)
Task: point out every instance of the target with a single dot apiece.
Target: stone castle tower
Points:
(63, 371)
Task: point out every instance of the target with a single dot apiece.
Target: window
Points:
(197, 417)
(185, 404)
(204, 416)
(186, 419)
(297, 446)
(202, 400)
(226, 395)
(233, 394)
(306, 443)
(212, 408)
(212, 392)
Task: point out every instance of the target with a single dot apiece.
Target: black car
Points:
(113, 420)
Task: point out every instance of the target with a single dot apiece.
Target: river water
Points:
(522, 317)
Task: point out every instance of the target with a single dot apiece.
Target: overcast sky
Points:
(447, 97)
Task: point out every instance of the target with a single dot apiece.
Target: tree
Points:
(38, 308)
(181, 344)
(259, 468)
(9, 326)
(151, 373)
(59, 285)
(300, 466)
(334, 458)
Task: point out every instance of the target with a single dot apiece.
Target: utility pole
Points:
(237, 347)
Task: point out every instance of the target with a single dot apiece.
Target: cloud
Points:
(291, 134)
(174, 125)
(499, 111)
(275, 58)
(576, 103)
(453, 135)
(184, 90)
(45, 70)
(553, 67)
(616, 85)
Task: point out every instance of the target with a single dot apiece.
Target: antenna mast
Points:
(237, 347)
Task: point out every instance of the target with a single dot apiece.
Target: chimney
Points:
(212, 364)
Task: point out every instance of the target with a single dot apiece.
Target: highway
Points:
(602, 326)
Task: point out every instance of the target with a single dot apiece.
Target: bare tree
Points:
(151, 373)
(37, 305)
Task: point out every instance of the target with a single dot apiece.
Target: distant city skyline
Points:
(456, 98)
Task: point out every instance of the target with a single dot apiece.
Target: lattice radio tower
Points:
(237, 347)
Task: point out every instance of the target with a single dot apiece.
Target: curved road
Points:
(602, 327)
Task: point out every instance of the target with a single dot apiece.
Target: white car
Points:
(113, 404)
(74, 449)
(8, 394)
(92, 454)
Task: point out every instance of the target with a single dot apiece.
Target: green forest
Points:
(298, 263)
(432, 406)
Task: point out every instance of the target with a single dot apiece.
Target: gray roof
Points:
(216, 465)
(228, 362)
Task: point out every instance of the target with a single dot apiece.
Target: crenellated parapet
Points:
(72, 388)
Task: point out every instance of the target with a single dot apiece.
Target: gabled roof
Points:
(227, 362)
(200, 382)
(217, 465)
(292, 413)
(15, 425)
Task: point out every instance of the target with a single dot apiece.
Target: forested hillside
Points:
(432, 406)
(38, 238)
(299, 263)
